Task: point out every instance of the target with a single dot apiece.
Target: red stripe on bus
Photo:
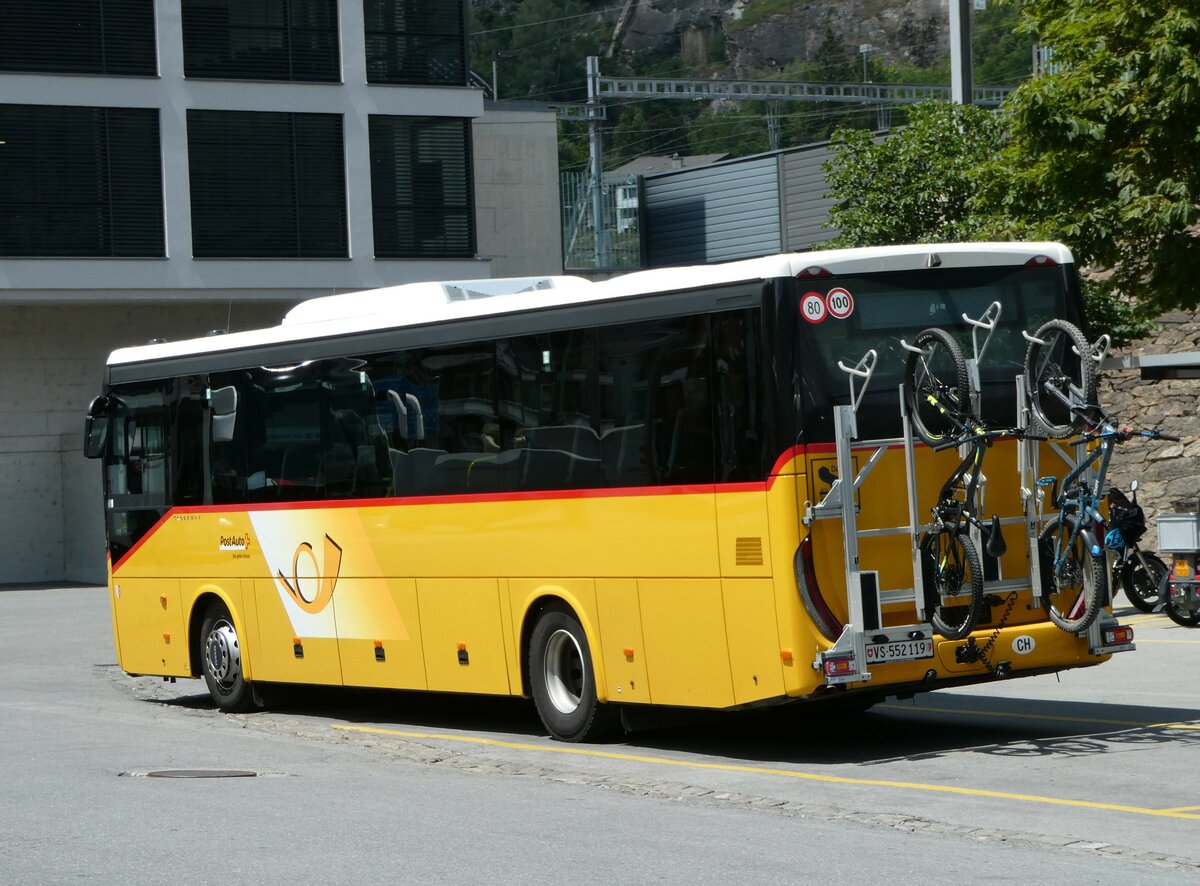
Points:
(471, 498)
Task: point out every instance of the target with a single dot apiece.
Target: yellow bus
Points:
(594, 494)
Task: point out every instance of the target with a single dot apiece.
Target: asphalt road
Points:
(1088, 777)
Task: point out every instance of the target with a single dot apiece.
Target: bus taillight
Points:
(1118, 636)
(840, 666)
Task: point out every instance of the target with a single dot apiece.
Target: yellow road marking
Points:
(782, 773)
(1142, 619)
(1182, 809)
(1057, 718)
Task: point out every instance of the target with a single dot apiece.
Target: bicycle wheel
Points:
(953, 582)
(1074, 576)
(1141, 579)
(936, 388)
(1060, 374)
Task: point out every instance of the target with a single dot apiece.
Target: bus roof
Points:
(414, 304)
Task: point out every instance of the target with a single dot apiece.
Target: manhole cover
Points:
(201, 773)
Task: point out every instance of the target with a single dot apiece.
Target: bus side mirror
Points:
(95, 428)
(223, 402)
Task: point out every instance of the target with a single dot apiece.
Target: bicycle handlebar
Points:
(1016, 433)
(1124, 434)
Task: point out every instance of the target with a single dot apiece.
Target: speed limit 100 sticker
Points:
(840, 303)
(812, 307)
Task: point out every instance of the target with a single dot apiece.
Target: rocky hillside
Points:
(749, 35)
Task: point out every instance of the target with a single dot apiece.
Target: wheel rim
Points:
(564, 671)
(1068, 595)
(223, 654)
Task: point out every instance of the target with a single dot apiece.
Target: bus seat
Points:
(576, 439)
(401, 413)
(423, 472)
(621, 449)
(414, 406)
(470, 471)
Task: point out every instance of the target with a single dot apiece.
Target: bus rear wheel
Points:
(563, 681)
(221, 661)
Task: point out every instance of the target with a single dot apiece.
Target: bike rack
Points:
(845, 661)
(1032, 497)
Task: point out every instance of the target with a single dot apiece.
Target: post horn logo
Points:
(326, 579)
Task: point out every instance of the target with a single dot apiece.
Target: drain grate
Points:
(202, 773)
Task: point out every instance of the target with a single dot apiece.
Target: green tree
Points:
(739, 133)
(539, 47)
(916, 185)
(1104, 152)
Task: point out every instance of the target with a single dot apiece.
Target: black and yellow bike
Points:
(938, 403)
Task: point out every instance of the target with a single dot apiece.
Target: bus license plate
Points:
(900, 650)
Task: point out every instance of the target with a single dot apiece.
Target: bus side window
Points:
(227, 460)
(655, 402)
(735, 390)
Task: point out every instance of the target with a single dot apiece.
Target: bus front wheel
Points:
(562, 679)
(221, 661)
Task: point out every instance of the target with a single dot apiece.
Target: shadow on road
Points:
(926, 727)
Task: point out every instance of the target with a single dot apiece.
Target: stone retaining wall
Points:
(1166, 472)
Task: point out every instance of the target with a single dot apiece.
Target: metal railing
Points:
(620, 248)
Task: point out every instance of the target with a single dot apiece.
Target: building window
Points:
(267, 185)
(80, 182)
(78, 36)
(416, 41)
(261, 39)
(421, 192)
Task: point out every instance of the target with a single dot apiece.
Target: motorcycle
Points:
(1142, 574)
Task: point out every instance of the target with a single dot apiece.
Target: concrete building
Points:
(169, 167)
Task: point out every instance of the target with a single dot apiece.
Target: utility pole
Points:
(596, 157)
(962, 89)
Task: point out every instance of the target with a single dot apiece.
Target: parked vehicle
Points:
(1141, 574)
(1179, 535)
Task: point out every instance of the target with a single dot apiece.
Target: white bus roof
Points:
(414, 304)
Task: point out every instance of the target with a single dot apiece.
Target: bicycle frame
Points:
(1086, 501)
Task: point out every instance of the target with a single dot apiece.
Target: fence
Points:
(621, 243)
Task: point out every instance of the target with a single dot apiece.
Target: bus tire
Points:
(221, 661)
(562, 679)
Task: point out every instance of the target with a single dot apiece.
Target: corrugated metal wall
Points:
(805, 204)
(737, 209)
(712, 213)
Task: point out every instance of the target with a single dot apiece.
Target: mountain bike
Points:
(1061, 380)
(937, 399)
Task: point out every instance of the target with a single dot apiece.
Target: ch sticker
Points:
(314, 599)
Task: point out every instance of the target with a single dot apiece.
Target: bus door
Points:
(130, 429)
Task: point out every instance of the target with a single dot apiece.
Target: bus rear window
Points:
(878, 310)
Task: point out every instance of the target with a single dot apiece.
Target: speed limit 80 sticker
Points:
(812, 307)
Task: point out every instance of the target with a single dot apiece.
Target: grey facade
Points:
(61, 314)
(751, 206)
